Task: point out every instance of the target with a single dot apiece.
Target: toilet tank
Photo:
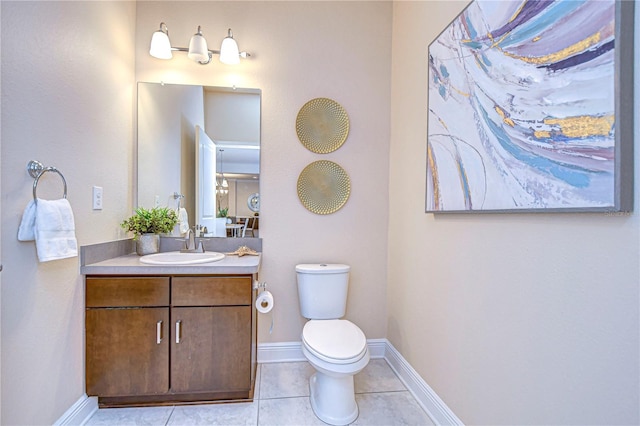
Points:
(322, 290)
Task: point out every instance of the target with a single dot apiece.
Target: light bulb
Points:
(198, 50)
(160, 45)
(229, 53)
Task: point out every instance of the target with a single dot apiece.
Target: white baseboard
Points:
(280, 352)
(377, 348)
(426, 397)
(292, 351)
(435, 408)
(79, 412)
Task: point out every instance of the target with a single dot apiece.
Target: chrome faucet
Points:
(190, 243)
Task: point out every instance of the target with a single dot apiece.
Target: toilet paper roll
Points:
(264, 302)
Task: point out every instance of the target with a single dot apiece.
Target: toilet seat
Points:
(335, 341)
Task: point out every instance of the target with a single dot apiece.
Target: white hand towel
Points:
(55, 230)
(183, 220)
(26, 231)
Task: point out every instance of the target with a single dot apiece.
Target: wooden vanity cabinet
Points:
(211, 348)
(172, 339)
(127, 346)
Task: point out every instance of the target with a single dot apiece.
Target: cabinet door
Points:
(127, 351)
(211, 349)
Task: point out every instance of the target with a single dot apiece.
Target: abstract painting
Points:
(530, 108)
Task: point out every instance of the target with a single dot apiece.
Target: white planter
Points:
(147, 244)
(221, 227)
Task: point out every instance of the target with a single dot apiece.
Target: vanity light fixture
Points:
(198, 50)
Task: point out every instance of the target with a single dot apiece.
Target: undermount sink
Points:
(178, 258)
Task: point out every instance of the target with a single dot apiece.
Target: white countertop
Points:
(131, 265)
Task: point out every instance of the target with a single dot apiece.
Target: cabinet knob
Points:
(159, 332)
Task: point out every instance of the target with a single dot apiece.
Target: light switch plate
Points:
(97, 198)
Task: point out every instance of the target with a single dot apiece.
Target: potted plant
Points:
(222, 212)
(147, 225)
(222, 219)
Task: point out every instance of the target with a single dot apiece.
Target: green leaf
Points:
(158, 220)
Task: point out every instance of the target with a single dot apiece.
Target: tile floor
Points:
(282, 398)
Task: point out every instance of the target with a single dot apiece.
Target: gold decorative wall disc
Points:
(323, 187)
(322, 125)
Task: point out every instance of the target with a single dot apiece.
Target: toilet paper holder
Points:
(261, 286)
(263, 306)
(264, 300)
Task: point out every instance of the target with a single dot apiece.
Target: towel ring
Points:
(36, 170)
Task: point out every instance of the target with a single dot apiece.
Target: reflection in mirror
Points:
(254, 202)
(201, 143)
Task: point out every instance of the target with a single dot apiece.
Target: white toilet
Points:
(336, 348)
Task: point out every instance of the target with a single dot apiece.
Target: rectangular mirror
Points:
(199, 149)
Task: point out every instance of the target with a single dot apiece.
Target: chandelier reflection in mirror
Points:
(198, 50)
(222, 186)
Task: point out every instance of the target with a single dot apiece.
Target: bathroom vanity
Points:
(160, 334)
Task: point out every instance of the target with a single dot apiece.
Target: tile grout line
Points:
(259, 396)
(384, 391)
(284, 397)
(173, 408)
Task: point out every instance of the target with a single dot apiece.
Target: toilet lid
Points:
(334, 339)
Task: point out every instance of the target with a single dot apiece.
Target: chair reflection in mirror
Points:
(248, 226)
(234, 229)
